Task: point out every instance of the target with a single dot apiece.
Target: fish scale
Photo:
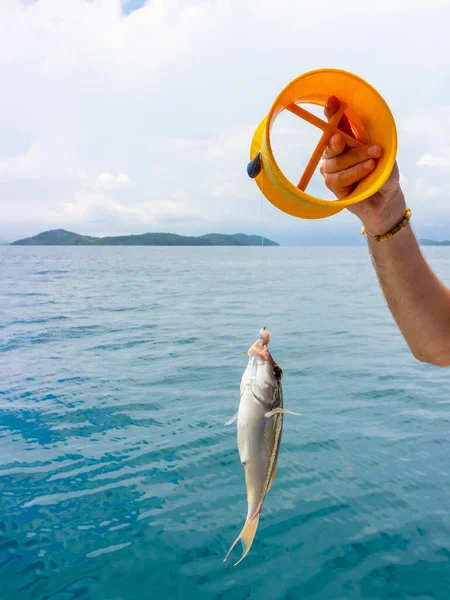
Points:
(259, 428)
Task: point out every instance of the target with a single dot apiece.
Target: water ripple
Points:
(118, 479)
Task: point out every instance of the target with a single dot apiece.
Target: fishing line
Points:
(253, 170)
(263, 262)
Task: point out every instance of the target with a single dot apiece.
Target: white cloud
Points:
(441, 161)
(109, 181)
(111, 121)
(100, 207)
(178, 143)
(426, 190)
(42, 160)
(180, 195)
(215, 150)
(81, 173)
(31, 163)
(428, 125)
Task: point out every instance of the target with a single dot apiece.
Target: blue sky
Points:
(116, 120)
(131, 5)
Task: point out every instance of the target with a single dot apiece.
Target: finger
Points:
(351, 158)
(331, 107)
(349, 176)
(336, 145)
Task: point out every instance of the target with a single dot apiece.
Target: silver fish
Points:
(259, 427)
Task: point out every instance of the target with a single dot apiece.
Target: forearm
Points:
(418, 300)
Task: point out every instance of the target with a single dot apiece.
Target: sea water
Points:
(118, 478)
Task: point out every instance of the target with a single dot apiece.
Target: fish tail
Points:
(246, 536)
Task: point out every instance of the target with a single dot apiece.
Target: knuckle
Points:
(361, 154)
(343, 175)
(333, 164)
(329, 181)
(338, 163)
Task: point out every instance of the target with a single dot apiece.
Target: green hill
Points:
(61, 237)
(425, 242)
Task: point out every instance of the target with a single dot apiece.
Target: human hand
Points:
(342, 169)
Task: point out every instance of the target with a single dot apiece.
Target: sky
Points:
(120, 117)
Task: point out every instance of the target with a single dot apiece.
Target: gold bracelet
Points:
(387, 236)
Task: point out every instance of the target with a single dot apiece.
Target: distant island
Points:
(61, 237)
(433, 243)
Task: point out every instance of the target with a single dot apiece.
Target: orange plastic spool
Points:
(370, 119)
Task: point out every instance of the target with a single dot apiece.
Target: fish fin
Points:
(272, 477)
(280, 411)
(246, 536)
(233, 419)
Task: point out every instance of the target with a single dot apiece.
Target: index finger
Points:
(331, 107)
(335, 146)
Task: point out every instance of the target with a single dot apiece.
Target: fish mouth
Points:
(260, 349)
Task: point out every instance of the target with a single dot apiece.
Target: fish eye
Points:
(278, 372)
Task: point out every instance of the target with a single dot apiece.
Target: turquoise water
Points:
(118, 479)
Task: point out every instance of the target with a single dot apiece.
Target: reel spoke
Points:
(323, 125)
(320, 148)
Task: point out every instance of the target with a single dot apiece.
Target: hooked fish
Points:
(259, 426)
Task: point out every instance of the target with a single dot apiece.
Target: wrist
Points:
(391, 215)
